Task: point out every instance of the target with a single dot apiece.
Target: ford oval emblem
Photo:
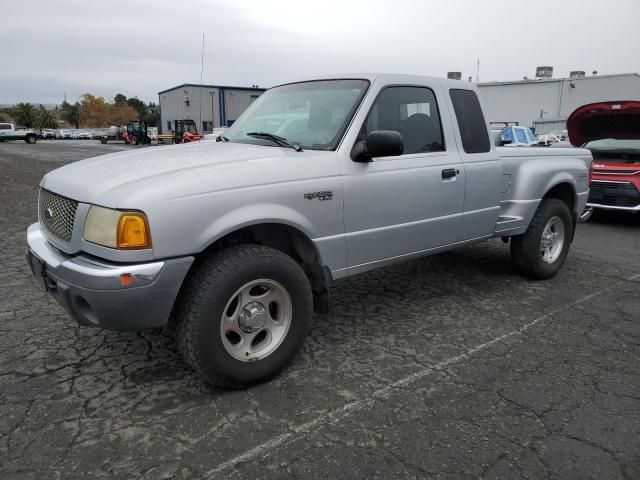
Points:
(48, 214)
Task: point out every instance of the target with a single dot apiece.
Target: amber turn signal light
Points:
(133, 231)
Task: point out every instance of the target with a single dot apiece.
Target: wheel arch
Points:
(563, 190)
(284, 236)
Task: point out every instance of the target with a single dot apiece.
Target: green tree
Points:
(72, 114)
(138, 105)
(120, 99)
(46, 119)
(152, 116)
(26, 115)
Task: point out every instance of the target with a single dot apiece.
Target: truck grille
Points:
(57, 214)
(620, 194)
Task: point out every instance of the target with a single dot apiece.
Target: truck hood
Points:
(595, 121)
(134, 178)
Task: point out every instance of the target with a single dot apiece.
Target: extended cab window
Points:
(473, 129)
(413, 112)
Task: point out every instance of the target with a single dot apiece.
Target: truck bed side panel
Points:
(530, 173)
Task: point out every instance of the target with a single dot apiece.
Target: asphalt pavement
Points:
(451, 366)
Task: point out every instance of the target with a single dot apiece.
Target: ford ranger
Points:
(233, 243)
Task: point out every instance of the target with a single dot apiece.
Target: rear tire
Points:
(31, 138)
(541, 251)
(220, 317)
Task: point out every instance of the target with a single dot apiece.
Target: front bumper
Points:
(613, 207)
(614, 195)
(103, 294)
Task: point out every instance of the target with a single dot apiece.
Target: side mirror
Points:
(379, 143)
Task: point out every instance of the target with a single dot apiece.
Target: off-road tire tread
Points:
(525, 248)
(213, 270)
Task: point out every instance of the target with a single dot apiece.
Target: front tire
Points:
(541, 251)
(243, 315)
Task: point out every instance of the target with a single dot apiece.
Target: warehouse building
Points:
(545, 103)
(209, 106)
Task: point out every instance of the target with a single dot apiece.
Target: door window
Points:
(411, 111)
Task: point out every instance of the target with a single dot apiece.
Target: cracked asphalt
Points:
(446, 367)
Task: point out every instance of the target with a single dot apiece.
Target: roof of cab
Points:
(392, 78)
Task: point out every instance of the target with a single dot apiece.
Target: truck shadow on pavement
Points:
(422, 290)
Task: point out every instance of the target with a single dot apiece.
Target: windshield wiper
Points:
(283, 142)
(221, 138)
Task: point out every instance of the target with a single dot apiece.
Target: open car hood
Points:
(595, 121)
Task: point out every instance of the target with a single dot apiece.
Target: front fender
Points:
(253, 215)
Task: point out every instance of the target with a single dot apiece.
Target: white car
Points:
(62, 134)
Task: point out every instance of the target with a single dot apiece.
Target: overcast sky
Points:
(139, 47)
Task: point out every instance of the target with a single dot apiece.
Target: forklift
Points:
(134, 134)
(185, 131)
(137, 134)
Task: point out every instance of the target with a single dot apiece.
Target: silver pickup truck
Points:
(233, 243)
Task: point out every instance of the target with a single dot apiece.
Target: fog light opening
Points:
(85, 311)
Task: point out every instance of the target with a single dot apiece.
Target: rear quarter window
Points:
(471, 122)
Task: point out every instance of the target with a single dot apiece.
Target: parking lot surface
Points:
(446, 367)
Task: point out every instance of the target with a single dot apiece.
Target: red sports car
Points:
(611, 130)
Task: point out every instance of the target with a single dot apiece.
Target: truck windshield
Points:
(313, 114)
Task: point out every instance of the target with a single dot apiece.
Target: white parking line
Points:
(298, 432)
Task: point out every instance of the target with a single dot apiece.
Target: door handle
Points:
(449, 172)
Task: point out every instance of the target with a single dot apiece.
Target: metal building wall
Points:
(522, 101)
(237, 102)
(173, 105)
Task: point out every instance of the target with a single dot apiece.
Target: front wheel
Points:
(244, 315)
(541, 251)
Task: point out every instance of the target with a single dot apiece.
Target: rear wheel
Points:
(243, 315)
(541, 251)
(31, 138)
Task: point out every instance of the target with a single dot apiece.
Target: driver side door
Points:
(411, 203)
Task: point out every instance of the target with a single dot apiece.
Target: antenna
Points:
(478, 71)
(202, 61)
(201, 77)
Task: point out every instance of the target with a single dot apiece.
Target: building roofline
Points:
(550, 80)
(212, 86)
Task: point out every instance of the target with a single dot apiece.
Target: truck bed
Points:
(525, 170)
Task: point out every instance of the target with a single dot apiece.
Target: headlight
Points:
(117, 229)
